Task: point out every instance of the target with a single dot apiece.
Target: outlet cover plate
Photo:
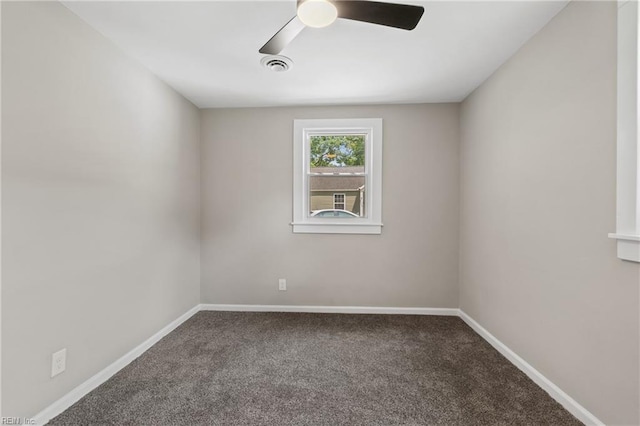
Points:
(58, 362)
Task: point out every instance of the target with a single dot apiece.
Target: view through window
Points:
(337, 176)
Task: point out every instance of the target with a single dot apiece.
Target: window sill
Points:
(628, 246)
(337, 228)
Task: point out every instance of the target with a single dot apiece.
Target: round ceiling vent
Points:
(277, 63)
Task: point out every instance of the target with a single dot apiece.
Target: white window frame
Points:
(628, 161)
(302, 131)
(344, 200)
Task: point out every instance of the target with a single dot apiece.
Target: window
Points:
(337, 184)
(628, 174)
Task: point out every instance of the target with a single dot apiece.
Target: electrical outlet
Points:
(282, 284)
(58, 362)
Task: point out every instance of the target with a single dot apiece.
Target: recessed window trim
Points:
(371, 223)
(628, 128)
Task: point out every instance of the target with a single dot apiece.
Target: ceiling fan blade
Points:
(402, 16)
(283, 37)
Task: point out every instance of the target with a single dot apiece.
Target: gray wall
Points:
(538, 161)
(247, 241)
(100, 199)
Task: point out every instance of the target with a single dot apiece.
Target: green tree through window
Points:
(337, 151)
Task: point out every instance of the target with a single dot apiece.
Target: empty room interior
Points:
(320, 212)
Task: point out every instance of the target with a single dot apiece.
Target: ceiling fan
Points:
(321, 13)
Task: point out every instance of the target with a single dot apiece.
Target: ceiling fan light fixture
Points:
(317, 13)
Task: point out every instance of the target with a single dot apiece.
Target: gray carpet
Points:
(228, 368)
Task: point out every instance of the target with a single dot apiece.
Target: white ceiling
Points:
(208, 51)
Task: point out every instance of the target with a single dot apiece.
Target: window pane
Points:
(340, 196)
(337, 176)
(337, 151)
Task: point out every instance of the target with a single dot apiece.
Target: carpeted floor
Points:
(229, 368)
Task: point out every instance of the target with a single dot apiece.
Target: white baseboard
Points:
(554, 391)
(570, 404)
(76, 394)
(332, 309)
